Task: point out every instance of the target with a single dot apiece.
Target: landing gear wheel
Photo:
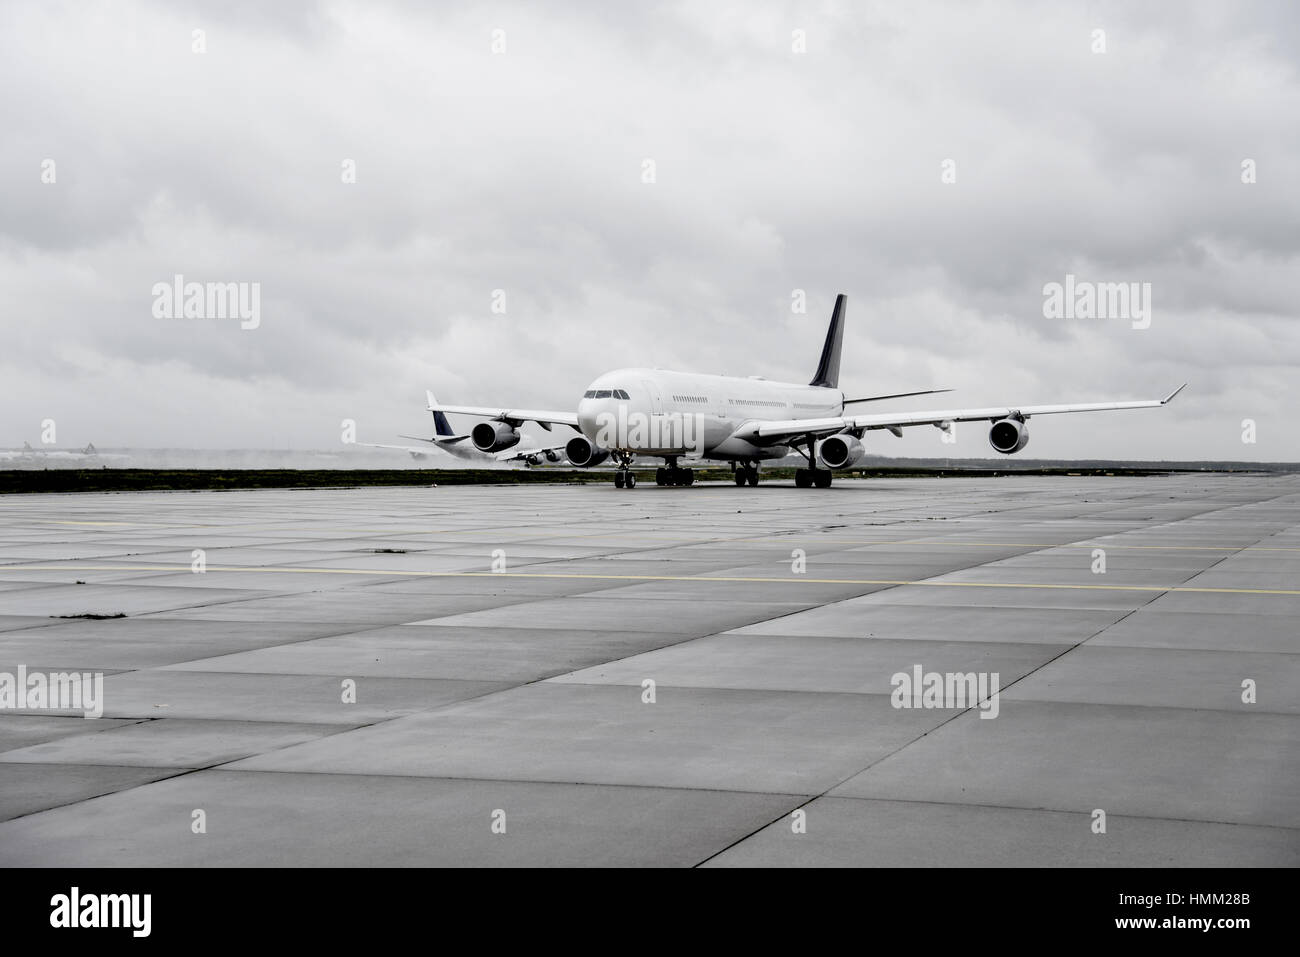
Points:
(802, 479)
(631, 480)
(822, 478)
(660, 476)
(753, 477)
(689, 477)
(740, 476)
(619, 479)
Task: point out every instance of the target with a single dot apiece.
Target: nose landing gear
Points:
(624, 477)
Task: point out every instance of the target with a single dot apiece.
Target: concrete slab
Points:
(1206, 631)
(843, 832)
(1134, 760)
(841, 665)
(347, 821)
(166, 743)
(131, 643)
(23, 730)
(295, 699)
(31, 788)
(778, 742)
(961, 623)
(584, 612)
(1169, 679)
(514, 655)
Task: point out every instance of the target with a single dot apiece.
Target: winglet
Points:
(1170, 397)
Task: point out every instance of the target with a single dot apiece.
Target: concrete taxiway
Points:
(498, 642)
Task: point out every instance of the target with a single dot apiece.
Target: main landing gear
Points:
(672, 475)
(746, 472)
(807, 478)
(812, 475)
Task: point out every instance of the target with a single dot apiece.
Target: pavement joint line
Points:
(930, 583)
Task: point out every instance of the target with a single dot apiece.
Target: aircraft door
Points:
(656, 399)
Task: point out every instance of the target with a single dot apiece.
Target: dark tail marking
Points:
(828, 370)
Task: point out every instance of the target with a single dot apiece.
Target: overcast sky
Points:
(523, 170)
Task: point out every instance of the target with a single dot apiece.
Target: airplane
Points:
(89, 455)
(445, 439)
(680, 416)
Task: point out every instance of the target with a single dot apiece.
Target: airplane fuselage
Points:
(658, 412)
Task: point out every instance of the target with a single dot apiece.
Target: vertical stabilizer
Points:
(828, 370)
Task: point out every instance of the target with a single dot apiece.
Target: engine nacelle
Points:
(1008, 436)
(552, 455)
(584, 453)
(494, 436)
(840, 451)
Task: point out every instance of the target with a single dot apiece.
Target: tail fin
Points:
(441, 427)
(828, 370)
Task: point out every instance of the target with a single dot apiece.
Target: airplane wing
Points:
(415, 452)
(513, 417)
(896, 421)
(440, 440)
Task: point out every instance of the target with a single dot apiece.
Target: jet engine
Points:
(494, 436)
(840, 451)
(1008, 436)
(584, 453)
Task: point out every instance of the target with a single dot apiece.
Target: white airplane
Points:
(686, 416)
(445, 439)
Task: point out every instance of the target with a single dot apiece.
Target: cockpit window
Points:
(620, 394)
(589, 394)
(602, 394)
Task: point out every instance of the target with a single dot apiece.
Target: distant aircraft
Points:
(445, 439)
(88, 456)
(677, 415)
